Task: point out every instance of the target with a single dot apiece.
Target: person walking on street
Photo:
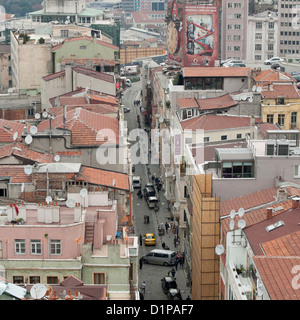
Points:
(176, 263)
(141, 263)
(173, 272)
(175, 241)
(167, 227)
(143, 287)
(163, 245)
(141, 240)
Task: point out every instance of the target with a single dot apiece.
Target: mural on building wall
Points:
(192, 34)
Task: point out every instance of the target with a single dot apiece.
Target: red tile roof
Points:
(98, 108)
(272, 75)
(284, 90)
(22, 151)
(184, 103)
(83, 61)
(216, 72)
(85, 127)
(221, 102)
(54, 75)
(8, 128)
(215, 122)
(16, 173)
(104, 178)
(277, 276)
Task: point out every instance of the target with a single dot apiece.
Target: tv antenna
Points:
(38, 291)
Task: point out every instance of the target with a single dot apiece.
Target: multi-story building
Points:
(262, 37)
(234, 29)
(289, 27)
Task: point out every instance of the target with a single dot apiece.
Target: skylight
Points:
(275, 225)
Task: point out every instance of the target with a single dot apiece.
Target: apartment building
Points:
(262, 35)
(289, 28)
(234, 29)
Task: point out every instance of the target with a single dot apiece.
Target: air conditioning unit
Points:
(283, 148)
(174, 177)
(270, 147)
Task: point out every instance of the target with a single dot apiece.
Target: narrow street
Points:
(151, 274)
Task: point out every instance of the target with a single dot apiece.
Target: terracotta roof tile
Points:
(16, 173)
(215, 122)
(8, 128)
(85, 127)
(272, 75)
(187, 103)
(95, 74)
(284, 90)
(221, 102)
(277, 276)
(97, 108)
(105, 178)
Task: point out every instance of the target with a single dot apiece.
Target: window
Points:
(55, 247)
(206, 139)
(281, 119)
(34, 279)
(64, 33)
(258, 25)
(237, 169)
(258, 47)
(280, 101)
(224, 137)
(52, 280)
(99, 278)
(258, 36)
(239, 136)
(82, 47)
(18, 279)
(294, 119)
(20, 246)
(297, 172)
(271, 25)
(36, 247)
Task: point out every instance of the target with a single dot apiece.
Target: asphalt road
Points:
(151, 274)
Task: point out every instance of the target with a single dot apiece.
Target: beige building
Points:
(5, 68)
(29, 57)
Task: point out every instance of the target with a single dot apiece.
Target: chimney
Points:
(295, 203)
(269, 213)
(282, 195)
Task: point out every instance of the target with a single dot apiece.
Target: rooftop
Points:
(216, 72)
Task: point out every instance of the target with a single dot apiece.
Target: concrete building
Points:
(262, 37)
(29, 56)
(66, 10)
(5, 71)
(234, 29)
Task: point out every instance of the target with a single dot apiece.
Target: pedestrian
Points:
(143, 287)
(176, 263)
(141, 263)
(183, 256)
(142, 296)
(181, 262)
(148, 219)
(145, 219)
(141, 240)
(163, 245)
(167, 227)
(173, 272)
(175, 240)
(188, 298)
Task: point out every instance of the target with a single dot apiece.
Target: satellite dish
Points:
(241, 212)
(244, 97)
(45, 114)
(70, 203)
(38, 291)
(254, 88)
(161, 119)
(48, 199)
(15, 136)
(250, 99)
(83, 192)
(259, 89)
(232, 214)
(28, 169)
(28, 139)
(219, 249)
(33, 130)
(242, 224)
(57, 158)
(231, 224)
(37, 116)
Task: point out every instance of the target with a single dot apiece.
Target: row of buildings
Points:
(232, 178)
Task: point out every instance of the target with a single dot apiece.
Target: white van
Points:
(128, 83)
(159, 256)
(136, 182)
(152, 202)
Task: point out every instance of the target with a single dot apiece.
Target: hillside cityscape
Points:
(149, 150)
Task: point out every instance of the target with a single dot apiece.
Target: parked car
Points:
(295, 73)
(275, 66)
(236, 65)
(149, 192)
(150, 239)
(136, 182)
(126, 110)
(297, 77)
(161, 257)
(272, 60)
(174, 294)
(168, 283)
(228, 63)
(298, 85)
(152, 202)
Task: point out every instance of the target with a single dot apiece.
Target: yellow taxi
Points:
(150, 239)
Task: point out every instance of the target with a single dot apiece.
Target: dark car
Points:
(174, 294)
(126, 110)
(275, 66)
(149, 192)
(168, 283)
